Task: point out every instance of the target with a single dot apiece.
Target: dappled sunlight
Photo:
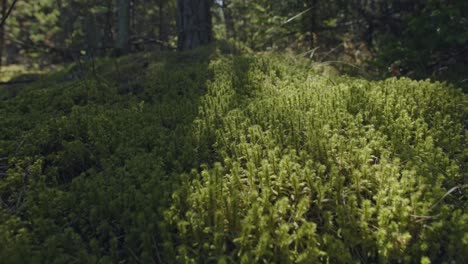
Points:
(233, 131)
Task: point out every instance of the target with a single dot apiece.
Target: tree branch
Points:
(8, 13)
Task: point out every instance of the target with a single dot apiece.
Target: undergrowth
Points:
(205, 157)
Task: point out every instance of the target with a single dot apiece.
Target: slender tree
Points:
(313, 19)
(163, 26)
(108, 25)
(194, 24)
(123, 31)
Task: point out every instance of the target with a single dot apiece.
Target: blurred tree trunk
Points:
(228, 20)
(109, 25)
(2, 32)
(193, 23)
(123, 31)
(313, 23)
(163, 25)
(243, 32)
(92, 36)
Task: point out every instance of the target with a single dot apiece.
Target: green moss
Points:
(207, 156)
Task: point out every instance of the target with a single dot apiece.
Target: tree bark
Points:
(92, 36)
(123, 17)
(109, 24)
(313, 23)
(194, 24)
(163, 25)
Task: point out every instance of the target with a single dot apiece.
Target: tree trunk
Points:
(313, 23)
(109, 25)
(123, 17)
(193, 23)
(92, 36)
(2, 32)
(163, 25)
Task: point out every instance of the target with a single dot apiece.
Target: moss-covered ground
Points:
(211, 157)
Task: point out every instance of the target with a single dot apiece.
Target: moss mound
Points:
(202, 157)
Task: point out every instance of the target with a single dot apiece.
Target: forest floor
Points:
(219, 156)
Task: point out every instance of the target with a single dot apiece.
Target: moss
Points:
(220, 155)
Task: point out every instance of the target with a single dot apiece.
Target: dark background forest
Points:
(419, 39)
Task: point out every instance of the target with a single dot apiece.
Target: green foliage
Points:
(56, 31)
(262, 25)
(201, 157)
(433, 42)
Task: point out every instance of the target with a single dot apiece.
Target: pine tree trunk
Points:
(313, 23)
(109, 24)
(163, 25)
(193, 23)
(92, 36)
(123, 17)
